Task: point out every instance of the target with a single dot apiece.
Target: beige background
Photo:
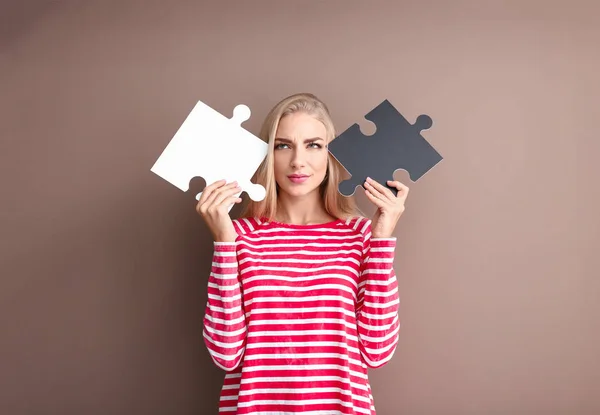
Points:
(104, 265)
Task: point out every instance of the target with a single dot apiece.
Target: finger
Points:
(402, 188)
(210, 200)
(225, 195)
(384, 191)
(208, 190)
(235, 199)
(376, 200)
(231, 200)
(370, 185)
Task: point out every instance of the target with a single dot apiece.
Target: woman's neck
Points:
(303, 210)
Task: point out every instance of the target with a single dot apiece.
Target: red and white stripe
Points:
(296, 314)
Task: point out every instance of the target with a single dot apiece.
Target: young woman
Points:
(302, 294)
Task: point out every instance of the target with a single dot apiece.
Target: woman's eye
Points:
(282, 145)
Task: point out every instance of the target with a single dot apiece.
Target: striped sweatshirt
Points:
(296, 314)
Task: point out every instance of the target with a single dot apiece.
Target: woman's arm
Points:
(224, 320)
(378, 301)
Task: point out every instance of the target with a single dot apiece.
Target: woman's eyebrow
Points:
(287, 140)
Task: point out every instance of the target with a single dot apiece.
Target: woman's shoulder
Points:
(246, 225)
(359, 223)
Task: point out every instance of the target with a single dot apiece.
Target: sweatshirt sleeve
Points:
(224, 319)
(378, 301)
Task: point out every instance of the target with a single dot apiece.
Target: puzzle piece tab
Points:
(396, 144)
(214, 147)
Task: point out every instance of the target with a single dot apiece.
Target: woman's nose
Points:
(298, 158)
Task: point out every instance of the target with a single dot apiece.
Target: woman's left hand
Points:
(389, 207)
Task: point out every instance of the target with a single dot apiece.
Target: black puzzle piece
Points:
(396, 144)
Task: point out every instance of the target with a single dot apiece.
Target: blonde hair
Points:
(335, 204)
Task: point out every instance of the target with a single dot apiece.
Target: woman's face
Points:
(300, 154)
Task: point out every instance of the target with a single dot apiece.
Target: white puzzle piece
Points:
(214, 147)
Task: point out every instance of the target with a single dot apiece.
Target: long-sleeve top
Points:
(296, 314)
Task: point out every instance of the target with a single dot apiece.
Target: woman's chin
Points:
(299, 190)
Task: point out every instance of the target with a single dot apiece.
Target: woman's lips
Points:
(298, 178)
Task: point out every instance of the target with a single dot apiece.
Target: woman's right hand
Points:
(213, 206)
